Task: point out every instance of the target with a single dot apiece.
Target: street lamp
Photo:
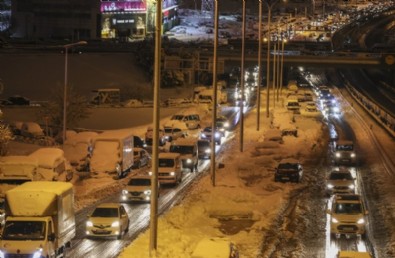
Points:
(269, 4)
(282, 64)
(259, 66)
(66, 48)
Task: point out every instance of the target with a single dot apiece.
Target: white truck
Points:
(40, 220)
(112, 152)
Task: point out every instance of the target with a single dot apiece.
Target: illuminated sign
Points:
(122, 6)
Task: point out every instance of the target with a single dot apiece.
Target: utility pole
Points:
(215, 87)
(155, 139)
(242, 78)
(258, 93)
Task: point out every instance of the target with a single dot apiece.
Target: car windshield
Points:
(340, 176)
(287, 166)
(105, 212)
(348, 208)
(24, 230)
(168, 130)
(203, 144)
(165, 163)
(348, 147)
(207, 129)
(182, 149)
(139, 182)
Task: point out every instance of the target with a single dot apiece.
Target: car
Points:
(206, 134)
(218, 247)
(293, 105)
(173, 133)
(288, 170)
(32, 130)
(138, 189)
(108, 220)
(18, 100)
(141, 158)
(340, 181)
(222, 124)
(204, 149)
(344, 153)
(187, 148)
(169, 168)
(189, 121)
(348, 216)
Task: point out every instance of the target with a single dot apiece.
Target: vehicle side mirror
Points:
(51, 237)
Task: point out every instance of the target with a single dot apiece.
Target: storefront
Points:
(131, 19)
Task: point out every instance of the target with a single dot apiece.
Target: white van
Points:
(52, 164)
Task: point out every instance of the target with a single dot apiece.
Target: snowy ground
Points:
(245, 190)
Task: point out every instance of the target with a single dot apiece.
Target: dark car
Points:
(206, 133)
(18, 100)
(204, 149)
(288, 170)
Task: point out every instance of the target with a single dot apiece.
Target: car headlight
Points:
(361, 221)
(330, 186)
(203, 135)
(217, 135)
(172, 173)
(189, 161)
(336, 109)
(207, 151)
(353, 155)
(351, 186)
(115, 224)
(338, 155)
(89, 223)
(2, 254)
(147, 192)
(125, 192)
(334, 220)
(37, 253)
(150, 173)
(226, 124)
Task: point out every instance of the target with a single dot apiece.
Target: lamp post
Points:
(269, 4)
(282, 64)
(242, 77)
(66, 48)
(259, 67)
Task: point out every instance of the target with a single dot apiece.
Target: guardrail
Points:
(381, 116)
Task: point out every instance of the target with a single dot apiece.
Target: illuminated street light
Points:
(66, 47)
(269, 4)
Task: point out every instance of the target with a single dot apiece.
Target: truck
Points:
(112, 152)
(40, 220)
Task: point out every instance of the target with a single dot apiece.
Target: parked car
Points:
(288, 170)
(108, 220)
(293, 105)
(138, 189)
(18, 100)
(184, 121)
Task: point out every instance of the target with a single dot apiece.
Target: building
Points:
(88, 19)
(135, 18)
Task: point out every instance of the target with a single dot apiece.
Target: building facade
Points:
(89, 19)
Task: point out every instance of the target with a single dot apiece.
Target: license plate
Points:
(348, 229)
